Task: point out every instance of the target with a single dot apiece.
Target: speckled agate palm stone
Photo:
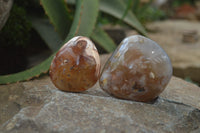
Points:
(76, 66)
(138, 70)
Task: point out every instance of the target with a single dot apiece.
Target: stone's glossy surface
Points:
(76, 66)
(139, 70)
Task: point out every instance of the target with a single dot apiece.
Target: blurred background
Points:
(32, 31)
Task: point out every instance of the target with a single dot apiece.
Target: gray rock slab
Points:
(37, 106)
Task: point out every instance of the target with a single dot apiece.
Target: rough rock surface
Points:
(184, 56)
(5, 6)
(37, 106)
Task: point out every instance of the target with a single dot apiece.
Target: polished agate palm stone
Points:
(76, 66)
(138, 70)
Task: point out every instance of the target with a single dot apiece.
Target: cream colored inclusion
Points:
(151, 75)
